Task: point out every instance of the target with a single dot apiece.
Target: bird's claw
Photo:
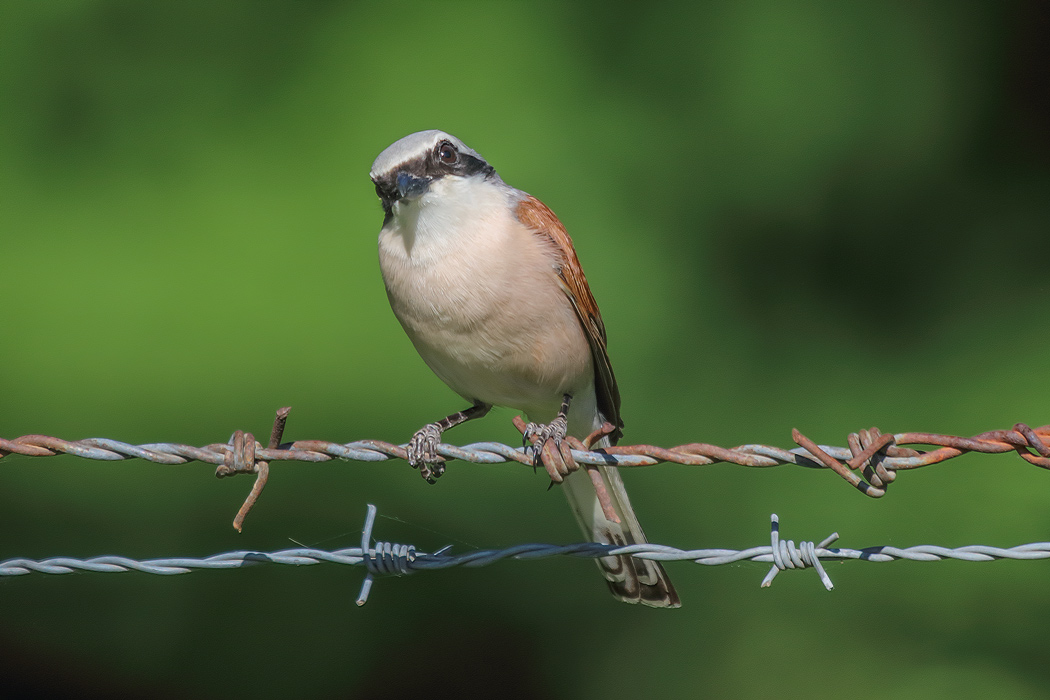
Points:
(539, 435)
(422, 452)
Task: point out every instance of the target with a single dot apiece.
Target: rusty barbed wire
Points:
(385, 558)
(869, 463)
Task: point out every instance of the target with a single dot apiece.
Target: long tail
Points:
(630, 580)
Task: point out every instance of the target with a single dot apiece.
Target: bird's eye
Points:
(446, 153)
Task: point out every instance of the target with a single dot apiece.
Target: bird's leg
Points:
(554, 431)
(422, 448)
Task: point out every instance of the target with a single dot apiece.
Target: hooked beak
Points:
(410, 187)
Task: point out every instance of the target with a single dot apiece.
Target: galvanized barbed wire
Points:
(869, 463)
(385, 558)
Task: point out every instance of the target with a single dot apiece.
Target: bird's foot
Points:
(549, 437)
(422, 452)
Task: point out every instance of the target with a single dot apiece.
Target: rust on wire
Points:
(242, 459)
(869, 463)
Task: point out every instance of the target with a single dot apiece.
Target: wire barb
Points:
(241, 459)
(384, 558)
(787, 556)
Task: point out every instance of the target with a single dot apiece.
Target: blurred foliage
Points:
(823, 215)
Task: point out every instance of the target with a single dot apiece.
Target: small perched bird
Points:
(486, 283)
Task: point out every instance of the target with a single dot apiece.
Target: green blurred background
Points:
(816, 215)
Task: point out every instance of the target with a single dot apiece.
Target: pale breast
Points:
(480, 300)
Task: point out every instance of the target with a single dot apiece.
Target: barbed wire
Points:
(385, 558)
(869, 463)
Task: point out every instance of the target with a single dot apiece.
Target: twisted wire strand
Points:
(869, 463)
(871, 445)
(484, 557)
(385, 558)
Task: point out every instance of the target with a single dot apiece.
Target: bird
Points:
(487, 285)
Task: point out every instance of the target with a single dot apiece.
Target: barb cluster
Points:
(869, 462)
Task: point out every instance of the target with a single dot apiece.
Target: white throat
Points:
(454, 213)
